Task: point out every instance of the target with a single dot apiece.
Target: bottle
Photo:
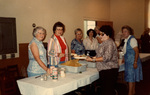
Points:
(55, 74)
(51, 70)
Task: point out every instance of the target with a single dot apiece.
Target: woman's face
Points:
(97, 31)
(40, 35)
(125, 33)
(91, 34)
(79, 35)
(103, 36)
(59, 31)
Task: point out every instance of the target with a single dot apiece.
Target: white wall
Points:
(45, 13)
(72, 13)
(128, 12)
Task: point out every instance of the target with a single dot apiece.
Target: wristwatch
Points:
(94, 60)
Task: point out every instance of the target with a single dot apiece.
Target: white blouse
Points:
(90, 45)
(133, 43)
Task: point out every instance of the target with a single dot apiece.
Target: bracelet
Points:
(94, 60)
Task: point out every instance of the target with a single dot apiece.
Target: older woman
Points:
(37, 54)
(133, 67)
(57, 46)
(107, 61)
(77, 43)
(90, 42)
(98, 33)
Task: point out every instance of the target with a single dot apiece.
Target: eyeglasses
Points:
(59, 29)
(102, 34)
(79, 34)
(41, 33)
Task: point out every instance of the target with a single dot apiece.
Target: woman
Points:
(37, 54)
(133, 67)
(145, 41)
(57, 46)
(107, 61)
(77, 43)
(98, 33)
(90, 42)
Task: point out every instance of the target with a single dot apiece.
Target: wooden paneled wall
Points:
(22, 61)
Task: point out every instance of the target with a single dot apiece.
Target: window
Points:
(88, 25)
(8, 44)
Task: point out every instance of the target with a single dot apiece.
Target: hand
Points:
(61, 55)
(88, 59)
(48, 70)
(135, 65)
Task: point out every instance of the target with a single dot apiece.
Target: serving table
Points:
(143, 56)
(72, 81)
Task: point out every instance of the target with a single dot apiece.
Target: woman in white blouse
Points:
(90, 42)
(133, 66)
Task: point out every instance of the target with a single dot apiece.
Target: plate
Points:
(78, 57)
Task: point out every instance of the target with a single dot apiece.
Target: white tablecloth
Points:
(72, 81)
(143, 56)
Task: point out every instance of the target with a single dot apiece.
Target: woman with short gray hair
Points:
(37, 53)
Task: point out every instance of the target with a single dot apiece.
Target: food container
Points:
(89, 64)
(72, 69)
(55, 74)
(62, 72)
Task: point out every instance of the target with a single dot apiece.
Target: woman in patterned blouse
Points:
(107, 61)
(37, 54)
(57, 46)
(77, 43)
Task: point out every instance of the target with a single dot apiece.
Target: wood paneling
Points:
(22, 61)
(100, 23)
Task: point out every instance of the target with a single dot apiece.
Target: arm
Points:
(99, 40)
(94, 59)
(50, 48)
(35, 52)
(134, 45)
(136, 57)
(72, 47)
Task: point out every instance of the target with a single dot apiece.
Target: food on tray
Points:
(73, 63)
(82, 55)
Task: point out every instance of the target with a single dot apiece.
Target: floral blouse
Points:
(33, 66)
(78, 47)
(108, 51)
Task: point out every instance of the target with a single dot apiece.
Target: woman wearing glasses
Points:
(107, 61)
(77, 46)
(37, 54)
(57, 46)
